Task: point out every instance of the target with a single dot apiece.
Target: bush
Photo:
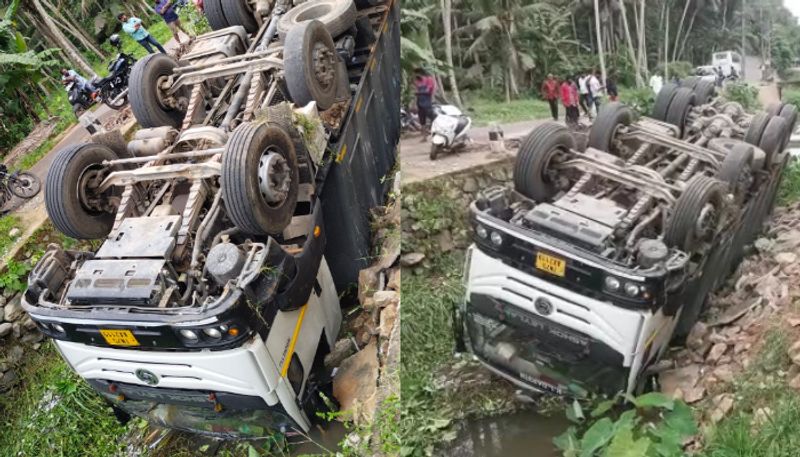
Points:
(680, 68)
(792, 97)
(743, 93)
(641, 100)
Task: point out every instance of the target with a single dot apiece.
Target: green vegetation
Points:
(772, 432)
(743, 93)
(7, 223)
(790, 186)
(487, 108)
(656, 426)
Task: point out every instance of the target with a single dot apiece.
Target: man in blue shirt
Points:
(133, 27)
(166, 9)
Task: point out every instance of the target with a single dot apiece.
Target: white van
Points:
(731, 63)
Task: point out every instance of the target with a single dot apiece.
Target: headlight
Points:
(612, 283)
(189, 335)
(58, 328)
(481, 231)
(632, 289)
(496, 239)
(213, 335)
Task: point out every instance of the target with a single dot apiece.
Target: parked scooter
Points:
(114, 87)
(450, 129)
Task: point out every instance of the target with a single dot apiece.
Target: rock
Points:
(734, 313)
(15, 354)
(388, 320)
(342, 349)
(761, 417)
(28, 323)
(445, 241)
(13, 309)
(14, 232)
(394, 279)
(763, 244)
(368, 283)
(723, 404)
(386, 298)
(723, 373)
(8, 380)
(794, 383)
(694, 395)
(786, 258)
(3, 300)
(16, 328)
(697, 335)
(683, 379)
(794, 352)
(8, 293)
(5, 329)
(411, 259)
(355, 385)
(32, 337)
(793, 321)
(740, 347)
(716, 352)
(470, 185)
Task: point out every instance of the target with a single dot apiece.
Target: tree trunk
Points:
(688, 33)
(72, 30)
(642, 41)
(74, 56)
(639, 82)
(680, 29)
(599, 40)
(74, 24)
(666, 49)
(448, 49)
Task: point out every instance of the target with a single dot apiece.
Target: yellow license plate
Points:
(119, 337)
(550, 264)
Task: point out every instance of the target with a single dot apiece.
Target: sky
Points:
(794, 6)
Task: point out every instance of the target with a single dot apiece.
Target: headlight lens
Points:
(632, 289)
(58, 328)
(189, 335)
(212, 333)
(612, 283)
(496, 239)
(481, 231)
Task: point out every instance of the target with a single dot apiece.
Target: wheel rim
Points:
(324, 65)
(550, 175)
(25, 186)
(90, 177)
(706, 222)
(274, 177)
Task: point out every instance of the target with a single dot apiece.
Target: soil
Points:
(40, 133)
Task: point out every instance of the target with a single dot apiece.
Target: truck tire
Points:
(309, 61)
(237, 12)
(361, 4)
(604, 129)
(337, 16)
(775, 109)
(737, 170)
(698, 295)
(663, 100)
(692, 211)
(789, 112)
(145, 101)
(62, 197)
(682, 102)
(690, 82)
(704, 92)
(254, 205)
(531, 177)
(756, 128)
(772, 140)
(213, 12)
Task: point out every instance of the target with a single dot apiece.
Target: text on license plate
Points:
(119, 337)
(550, 264)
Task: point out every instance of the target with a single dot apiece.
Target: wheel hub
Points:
(87, 188)
(324, 64)
(706, 222)
(274, 177)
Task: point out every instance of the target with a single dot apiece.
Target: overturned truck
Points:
(583, 272)
(231, 223)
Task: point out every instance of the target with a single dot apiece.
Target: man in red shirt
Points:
(569, 97)
(550, 93)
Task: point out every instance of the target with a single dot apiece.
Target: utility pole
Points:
(744, 50)
(599, 39)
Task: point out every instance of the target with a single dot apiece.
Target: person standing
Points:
(133, 27)
(656, 83)
(583, 89)
(425, 86)
(166, 10)
(611, 87)
(550, 93)
(595, 89)
(569, 98)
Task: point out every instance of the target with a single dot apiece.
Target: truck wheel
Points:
(259, 179)
(338, 16)
(73, 205)
(361, 4)
(690, 82)
(697, 215)
(237, 12)
(682, 102)
(775, 109)
(309, 60)
(704, 92)
(147, 98)
(772, 139)
(663, 100)
(737, 170)
(756, 128)
(698, 295)
(213, 11)
(532, 175)
(789, 112)
(611, 117)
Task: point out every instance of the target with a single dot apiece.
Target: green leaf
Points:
(681, 420)
(598, 435)
(568, 443)
(654, 400)
(623, 444)
(575, 413)
(603, 407)
(251, 451)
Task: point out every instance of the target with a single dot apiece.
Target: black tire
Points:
(143, 92)
(772, 140)
(535, 153)
(789, 112)
(338, 16)
(736, 170)
(76, 109)
(25, 185)
(704, 92)
(775, 108)
(246, 204)
(434, 152)
(237, 12)
(301, 57)
(682, 102)
(690, 82)
(62, 200)
(214, 14)
(756, 128)
(361, 4)
(663, 100)
(680, 230)
(696, 294)
(609, 119)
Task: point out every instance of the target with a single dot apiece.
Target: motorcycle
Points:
(79, 98)
(114, 87)
(450, 129)
(22, 184)
(409, 122)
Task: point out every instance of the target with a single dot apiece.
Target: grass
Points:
(7, 223)
(790, 186)
(763, 385)
(488, 108)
